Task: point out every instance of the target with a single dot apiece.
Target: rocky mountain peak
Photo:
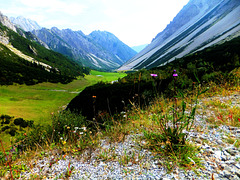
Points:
(6, 22)
(25, 24)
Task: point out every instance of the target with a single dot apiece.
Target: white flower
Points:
(81, 132)
(84, 128)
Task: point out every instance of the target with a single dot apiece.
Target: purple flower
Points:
(154, 75)
(174, 73)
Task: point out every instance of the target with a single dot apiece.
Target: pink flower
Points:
(174, 73)
(154, 75)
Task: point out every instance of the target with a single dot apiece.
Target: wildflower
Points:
(154, 75)
(84, 128)
(94, 96)
(239, 119)
(68, 127)
(81, 133)
(174, 73)
(64, 142)
(230, 116)
(76, 128)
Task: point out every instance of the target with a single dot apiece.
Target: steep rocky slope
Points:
(198, 25)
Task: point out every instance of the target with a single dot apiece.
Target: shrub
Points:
(12, 131)
(5, 128)
(64, 122)
(18, 121)
(21, 122)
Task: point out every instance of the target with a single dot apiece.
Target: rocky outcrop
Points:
(6, 22)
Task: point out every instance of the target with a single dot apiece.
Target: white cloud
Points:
(55, 6)
(135, 22)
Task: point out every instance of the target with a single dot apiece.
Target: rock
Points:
(237, 173)
(218, 154)
(198, 141)
(232, 128)
(237, 165)
(224, 158)
(227, 174)
(231, 151)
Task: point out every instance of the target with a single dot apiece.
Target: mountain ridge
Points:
(198, 25)
(95, 50)
(25, 24)
(24, 60)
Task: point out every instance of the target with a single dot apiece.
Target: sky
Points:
(135, 22)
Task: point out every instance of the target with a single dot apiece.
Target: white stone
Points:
(218, 154)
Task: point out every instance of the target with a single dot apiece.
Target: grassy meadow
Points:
(37, 102)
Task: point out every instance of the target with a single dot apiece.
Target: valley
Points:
(37, 102)
(76, 106)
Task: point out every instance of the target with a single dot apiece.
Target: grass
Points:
(39, 101)
(74, 140)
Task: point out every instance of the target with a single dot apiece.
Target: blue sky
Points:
(135, 22)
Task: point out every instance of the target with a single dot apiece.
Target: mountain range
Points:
(200, 24)
(23, 59)
(98, 50)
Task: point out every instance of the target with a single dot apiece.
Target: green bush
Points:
(12, 131)
(64, 122)
(5, 128)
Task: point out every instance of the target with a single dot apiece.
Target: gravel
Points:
(127, 160)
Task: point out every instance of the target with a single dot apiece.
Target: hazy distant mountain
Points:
(99, 50)
(25, 24)
(139, 48)
(200, 24)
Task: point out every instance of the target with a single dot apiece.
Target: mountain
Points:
(139, 48)
(22, 60)
(111, 43)
(200, 24)
(25, 24)
(6, 22)
(99, 50)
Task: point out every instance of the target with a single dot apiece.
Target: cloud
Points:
(133, 21)
(55, 6)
